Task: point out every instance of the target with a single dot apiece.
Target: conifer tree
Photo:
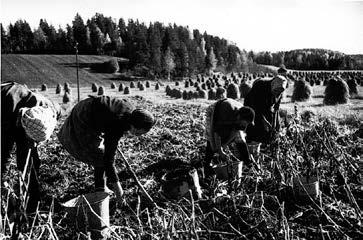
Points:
(210, 61)
(169, 64)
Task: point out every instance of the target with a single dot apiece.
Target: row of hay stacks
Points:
(337, 91)
(339, 86)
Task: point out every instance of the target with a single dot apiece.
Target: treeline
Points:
(310, 59)
(162, 50)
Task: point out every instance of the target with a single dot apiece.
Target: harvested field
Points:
(264, 206)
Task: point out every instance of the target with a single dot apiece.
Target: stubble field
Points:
(263, 206)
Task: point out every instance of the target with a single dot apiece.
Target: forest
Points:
(160, 50)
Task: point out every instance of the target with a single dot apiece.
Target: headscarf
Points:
(38, 122)
(279, 82)
(142, 119)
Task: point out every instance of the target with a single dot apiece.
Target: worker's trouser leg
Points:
(100, 179)
(7, 144)
(23, 145)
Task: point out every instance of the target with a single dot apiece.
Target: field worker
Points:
(282, 70)
(27, 118)
(93, 129)
(265, 98)
(226, 120)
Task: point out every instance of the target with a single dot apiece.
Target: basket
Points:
(228, 171)
(305, 187)
(89, 212)
(177, 184)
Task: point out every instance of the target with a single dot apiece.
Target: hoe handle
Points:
(128, 166)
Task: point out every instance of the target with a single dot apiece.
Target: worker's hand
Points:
(119, 192)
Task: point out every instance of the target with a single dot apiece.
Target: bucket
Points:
(85, 218)
(230, 170)
(305, 187)
(178, 183)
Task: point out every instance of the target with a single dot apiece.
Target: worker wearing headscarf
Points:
(265, 98)
(27, 118)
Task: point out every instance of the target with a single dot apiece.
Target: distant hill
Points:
(358, 58)
(35, 70)
(311, 59)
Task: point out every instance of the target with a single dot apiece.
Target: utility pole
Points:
(78, 91)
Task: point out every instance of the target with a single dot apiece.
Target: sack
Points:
(38, 122)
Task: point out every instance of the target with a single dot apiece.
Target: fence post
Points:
(78, 91)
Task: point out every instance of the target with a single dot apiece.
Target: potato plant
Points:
(263, 206)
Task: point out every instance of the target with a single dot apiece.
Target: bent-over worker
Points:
(27, 118)
(226, 120)
(265, 98)
(92, 131)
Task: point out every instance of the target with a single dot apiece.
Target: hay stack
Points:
(101, 91)
(66, 88)
(203, 94)
(186, 83)
(204, 87)
(353, 87)
(312, 82)
(168, 90)
(67, 97)
(121, 87)
(233, 91)
(132, 85)
(212, 94)
(177, 93)
(147, 84)
(221, 93)
(141, 87)
(185, 95)
(58, 89)
(127, 90)
(336, 92)
(195, 94)
(302, 91)
(157, 86)
(190, 94)
(44, 87)
(94, 87)
(113, 86)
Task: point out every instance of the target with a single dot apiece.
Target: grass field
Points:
(35, 70)
(260, 208)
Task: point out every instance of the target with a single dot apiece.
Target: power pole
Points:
(78, 91)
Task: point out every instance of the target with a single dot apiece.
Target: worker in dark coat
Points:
(282, 70)
(16, 101)
(265, 98)
(226, 120)
(93, 129)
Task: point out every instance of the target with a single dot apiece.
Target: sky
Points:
(258, 25)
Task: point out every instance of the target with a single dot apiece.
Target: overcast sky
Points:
(271, 25)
